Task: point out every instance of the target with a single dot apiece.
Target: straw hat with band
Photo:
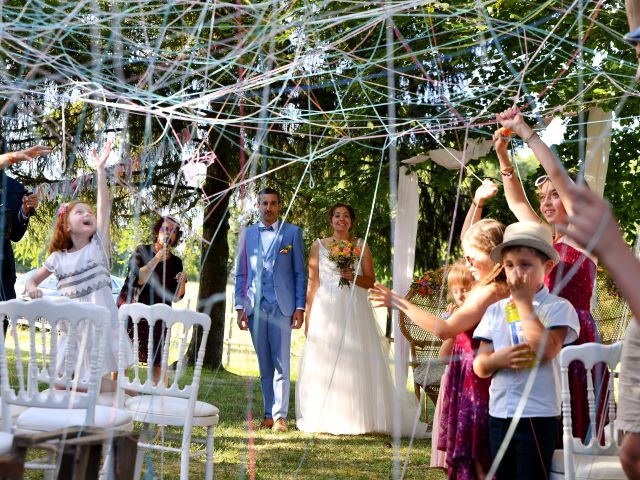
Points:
(526, 234)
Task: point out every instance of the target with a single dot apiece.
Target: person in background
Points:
(270, 295)
(155, 275)
(17, 208)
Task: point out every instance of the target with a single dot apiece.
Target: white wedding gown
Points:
(344, 383)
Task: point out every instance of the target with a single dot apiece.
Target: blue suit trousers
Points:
(271, 335)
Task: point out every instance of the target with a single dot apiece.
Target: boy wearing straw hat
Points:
(522, 336)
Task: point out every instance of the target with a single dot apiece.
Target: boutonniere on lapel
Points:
(286, 249)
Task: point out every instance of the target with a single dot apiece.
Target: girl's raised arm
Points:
(104, 204)
(513, 120)
(513, 191)
(484, 192)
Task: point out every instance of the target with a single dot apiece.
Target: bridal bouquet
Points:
(344, 254)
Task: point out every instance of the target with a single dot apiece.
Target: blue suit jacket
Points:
(289, 269)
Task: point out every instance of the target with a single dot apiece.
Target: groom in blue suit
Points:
(271, 288)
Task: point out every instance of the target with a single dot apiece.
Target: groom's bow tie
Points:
(266, 229)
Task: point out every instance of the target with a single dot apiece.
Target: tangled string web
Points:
(172, 81)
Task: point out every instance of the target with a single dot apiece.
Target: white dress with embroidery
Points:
(345, 386)
(85, 275)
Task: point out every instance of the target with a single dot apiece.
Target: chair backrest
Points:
(178, 323)
(28, 359)
(424, 345)
(590, 354)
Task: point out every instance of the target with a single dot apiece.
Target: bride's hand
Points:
(348, 274)
(382, 296)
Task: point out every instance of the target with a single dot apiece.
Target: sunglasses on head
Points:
(540, 180)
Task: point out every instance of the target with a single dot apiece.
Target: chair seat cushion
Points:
(108, 399)
(15, 410)
(592, 467)
(169, 406)
(431, 370)
(6, 440)
(47, 419)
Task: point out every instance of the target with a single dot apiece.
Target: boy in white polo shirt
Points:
(516, 333)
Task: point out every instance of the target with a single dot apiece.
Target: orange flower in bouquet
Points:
(344, 254)
(427, 283)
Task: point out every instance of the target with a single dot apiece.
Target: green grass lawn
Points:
(241, 452)
(292, 454)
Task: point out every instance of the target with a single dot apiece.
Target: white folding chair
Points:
(167, 404)
(593, 460)
(56, 398)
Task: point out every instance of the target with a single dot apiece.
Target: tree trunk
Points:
(214, 271)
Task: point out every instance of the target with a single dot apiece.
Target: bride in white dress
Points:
(344, 383)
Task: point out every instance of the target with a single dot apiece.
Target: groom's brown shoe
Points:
(280, 425)
(266, 423)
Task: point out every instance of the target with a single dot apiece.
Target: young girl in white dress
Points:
(344, 383)
(79, 255)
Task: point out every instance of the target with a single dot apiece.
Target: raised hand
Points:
(512, 119)
(27, 155)
(500, 143)
(101, 160)
(382, 296)
(484, 192)
(30, 153)
(162, 255)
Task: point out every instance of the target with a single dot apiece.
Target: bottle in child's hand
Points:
(516, 332)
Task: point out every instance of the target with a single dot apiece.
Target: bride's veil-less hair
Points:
(352, 213)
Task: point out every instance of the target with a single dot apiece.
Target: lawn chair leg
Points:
(208, 466)
(137, 471)
(50, 474)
